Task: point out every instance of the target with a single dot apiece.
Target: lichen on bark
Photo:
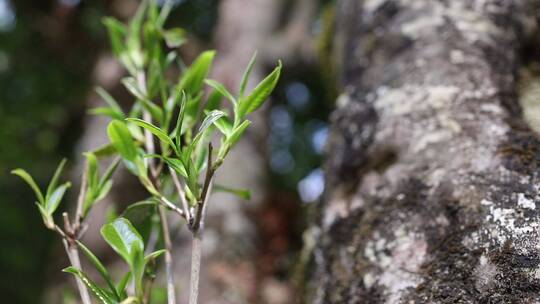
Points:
(432, 175)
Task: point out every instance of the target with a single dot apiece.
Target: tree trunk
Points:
(432, 176)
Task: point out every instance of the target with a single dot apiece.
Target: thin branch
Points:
(80, 200)
(196, 253)
(171, 297)
(60, 231)
(210, 170)
(149, 144)
(181, 194)
(70, 235)
(205, 206)
(198, 229)
(147, 290)
(172, 206)
(73, 255)
(68, 227)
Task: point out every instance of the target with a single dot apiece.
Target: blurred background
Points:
(52, 55)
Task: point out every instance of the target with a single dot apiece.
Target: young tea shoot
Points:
(175, 136)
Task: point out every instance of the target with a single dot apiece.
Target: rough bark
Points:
(432, 175)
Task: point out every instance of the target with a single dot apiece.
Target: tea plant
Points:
(166, 138)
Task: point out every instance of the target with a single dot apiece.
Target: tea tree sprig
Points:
(174, 139)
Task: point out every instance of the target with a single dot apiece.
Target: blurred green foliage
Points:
(44, 74)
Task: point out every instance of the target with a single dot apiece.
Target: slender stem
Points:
(196, 249)
(172, 206)
(171, 297)
(181, 194)
(73, 255)
(70, 235)
(60, 232)
(198, 228)
(67, 224)
(80, 200)
(210, 170)
(196, 253)
(147, 291)
(149, 144)
(205, 206)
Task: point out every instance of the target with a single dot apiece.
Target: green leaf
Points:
(136, 131)
(154, 255)
(110, 214)
(128, 243)
(121, 287)
(202, 156)
(245, 77)
(176, 164)
(211, 118)
(106, 111)
(103, 191)
(180, 121)
(137, 268)
(134, 38)
(98, 292)
(104, 151)
(131, 166)
(122, 141)
(155, 77)
(109, 100)
(263, 90)
(155, 130)
(47, 219)
(232, 139)
(242, 193)
(153, 12)
(193, 78)
(143, 216)
(93, 171)
(165, 11)
(225, 125)
(221, 89)
(54, 179)
(30, 181)
(124, 239)
(54, 200)
(117, 33)
(173, 100)
(138, 19)
(137, 205)
(174, 37)
(237, 133)
(192, 179)
(100, 268)
(133, 87)
(109, 172)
